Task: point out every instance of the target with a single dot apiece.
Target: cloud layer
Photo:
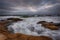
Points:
(31, 7)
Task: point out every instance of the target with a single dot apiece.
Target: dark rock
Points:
(40, 22)
(57, 24)
(15, 19)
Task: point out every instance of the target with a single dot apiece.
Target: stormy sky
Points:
(29, 7)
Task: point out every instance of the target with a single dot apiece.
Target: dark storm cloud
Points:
(18, 7)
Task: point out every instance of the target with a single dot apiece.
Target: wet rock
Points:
(41, 22)
(4, 24)
(49, 25)
(15, 19)
(57, 24)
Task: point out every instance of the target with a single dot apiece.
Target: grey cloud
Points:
(8, 7)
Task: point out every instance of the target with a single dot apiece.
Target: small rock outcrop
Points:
(49, 25)
(15, 19)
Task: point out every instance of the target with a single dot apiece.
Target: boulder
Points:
(49, 25)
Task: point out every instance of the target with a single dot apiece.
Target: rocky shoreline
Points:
(7, 35)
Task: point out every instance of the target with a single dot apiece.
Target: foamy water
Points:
(29, 26)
